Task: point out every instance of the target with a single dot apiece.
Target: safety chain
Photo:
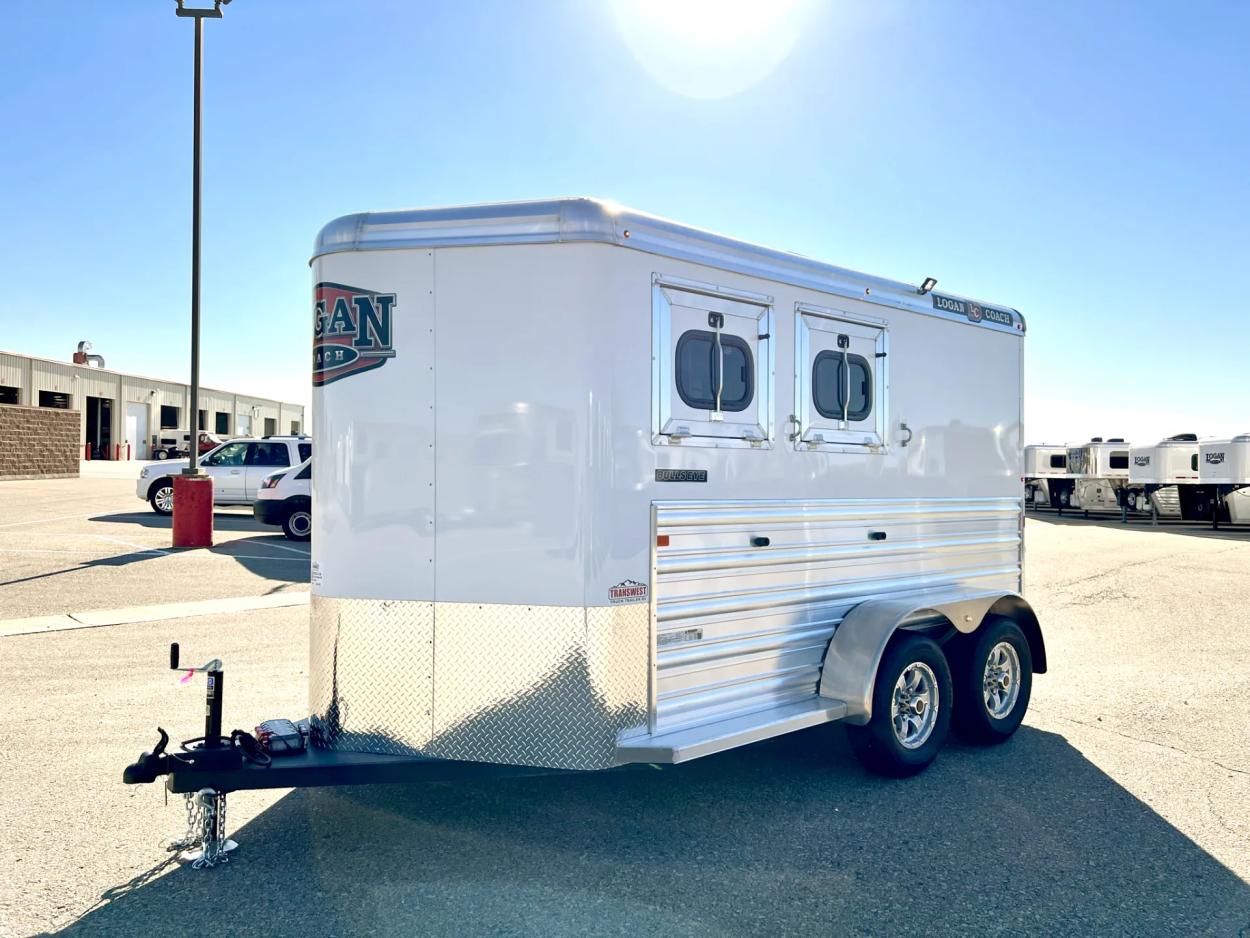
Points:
(206, 828)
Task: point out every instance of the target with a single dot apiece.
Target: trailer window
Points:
(1119, 460)
(698, 374)
(1058, 461)
(830, 385)
(1193, 463)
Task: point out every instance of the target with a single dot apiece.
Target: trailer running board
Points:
(687, 744)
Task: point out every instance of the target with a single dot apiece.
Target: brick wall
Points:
(39, 442)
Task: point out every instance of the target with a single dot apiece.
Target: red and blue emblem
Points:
(352, 331)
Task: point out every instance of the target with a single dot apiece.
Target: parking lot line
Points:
(294, 550)
(13, 524)
(101, 617)
(131, 544)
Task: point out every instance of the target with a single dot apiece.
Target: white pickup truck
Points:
(237, 468)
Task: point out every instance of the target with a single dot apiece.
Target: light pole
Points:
(193, 492)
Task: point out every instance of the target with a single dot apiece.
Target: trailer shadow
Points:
(787, 836)
(1188, 528)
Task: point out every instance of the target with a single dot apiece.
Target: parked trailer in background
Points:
(1158, 472)
(1223, 490)
(1100, 468)
(1047, 481)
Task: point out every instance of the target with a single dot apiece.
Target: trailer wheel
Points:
(298, 524)
(161, 496)
(162, 454)
(911, 709)
(993, 670)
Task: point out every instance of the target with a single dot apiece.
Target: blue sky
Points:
(1085, 163)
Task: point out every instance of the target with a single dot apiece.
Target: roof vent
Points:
(82, 358)
(1116, 439)
(1095, 439)
(1183, 438)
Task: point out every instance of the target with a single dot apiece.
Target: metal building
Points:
(119, 409)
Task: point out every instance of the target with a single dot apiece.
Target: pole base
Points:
(193, 511)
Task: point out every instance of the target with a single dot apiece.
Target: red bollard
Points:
(193, 511)
(86, 454)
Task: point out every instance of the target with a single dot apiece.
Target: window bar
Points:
(846, 398)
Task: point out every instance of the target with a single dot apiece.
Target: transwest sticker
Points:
(681, 475)
(352, 331)
(316, 573)
(628, 591)
(975, 312)
(1214, 459)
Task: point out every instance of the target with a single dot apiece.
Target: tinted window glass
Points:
(232, 454)
(269, 454)
(305, 473)
(829, 386)
(1193, 462)
(1119, 460)
(697, 372)
(305, 450)
(222, 422)
(1058, 461)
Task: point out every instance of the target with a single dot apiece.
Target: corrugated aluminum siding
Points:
(740, 628)
(12, 371)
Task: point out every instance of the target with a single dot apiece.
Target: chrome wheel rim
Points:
(165, 498)
(1001, 680)
(301, 523)
(914, 708)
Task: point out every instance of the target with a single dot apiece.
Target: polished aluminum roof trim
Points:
(592, 220)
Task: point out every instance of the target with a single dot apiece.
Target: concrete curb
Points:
(96, 618)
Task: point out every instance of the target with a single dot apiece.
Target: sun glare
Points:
(710, 48)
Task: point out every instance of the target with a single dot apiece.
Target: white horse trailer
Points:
(1047, 481)
(596, 488)
(1224, 479)
(1100, 470)
(1157, 473)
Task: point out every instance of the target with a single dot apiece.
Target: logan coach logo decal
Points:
(351, 331)
(1141, 460)
(1214, 459)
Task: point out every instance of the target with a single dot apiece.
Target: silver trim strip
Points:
(553, 221)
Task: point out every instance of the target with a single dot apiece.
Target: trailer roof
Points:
(553, 221)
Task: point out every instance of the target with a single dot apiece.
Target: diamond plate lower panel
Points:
(525, 685)
(371, 677)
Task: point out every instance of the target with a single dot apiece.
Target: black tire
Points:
(298, 523)
(162, 454)
(156, 496)
(877, 744)
(974, 718)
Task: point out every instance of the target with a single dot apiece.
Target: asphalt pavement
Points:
(1122, 806)
(68, 545)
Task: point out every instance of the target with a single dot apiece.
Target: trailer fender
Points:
(850, 666)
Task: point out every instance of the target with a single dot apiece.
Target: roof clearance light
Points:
(929, 284)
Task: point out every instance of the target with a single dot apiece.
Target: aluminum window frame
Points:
(726, 433)
(849, 438)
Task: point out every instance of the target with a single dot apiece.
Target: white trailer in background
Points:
(1224, 479)
(1100, 469)
(1047, 481)
(1157, 474)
